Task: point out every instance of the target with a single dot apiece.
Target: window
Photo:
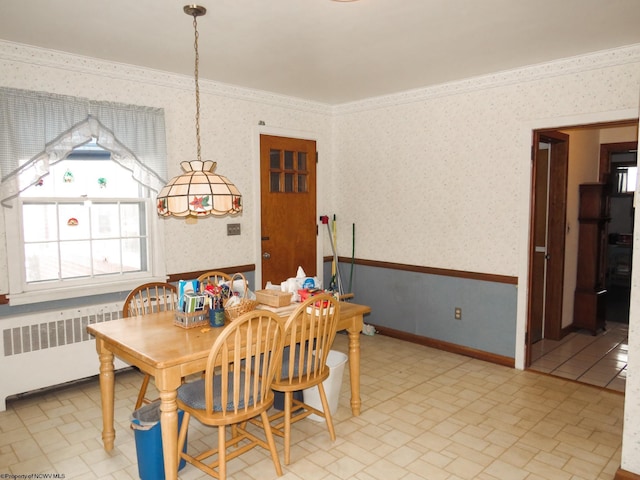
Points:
(78, 184)
(624, 172)
(85, 224)
(288, 171)
(624, 177)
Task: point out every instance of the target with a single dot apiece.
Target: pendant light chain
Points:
(195, 44)
(199, 191)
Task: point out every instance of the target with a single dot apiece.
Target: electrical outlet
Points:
(457, 313)
(233, 229)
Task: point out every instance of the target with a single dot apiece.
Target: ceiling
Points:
(323, 50)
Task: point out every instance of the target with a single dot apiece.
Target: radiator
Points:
(45, 349)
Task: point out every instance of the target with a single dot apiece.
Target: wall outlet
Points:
(457, 313)
(233, 229)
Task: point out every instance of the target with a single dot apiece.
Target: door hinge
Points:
(533, 153)
(316, 157)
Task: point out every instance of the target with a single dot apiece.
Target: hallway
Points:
(599, 360)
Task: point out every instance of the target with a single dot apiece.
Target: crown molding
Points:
(566, 66)
(21, 53)
(37, 56)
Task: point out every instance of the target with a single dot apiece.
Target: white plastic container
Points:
(336, 362)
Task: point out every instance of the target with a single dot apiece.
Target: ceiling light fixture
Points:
(198, 192)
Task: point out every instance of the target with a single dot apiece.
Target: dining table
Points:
(156, 345)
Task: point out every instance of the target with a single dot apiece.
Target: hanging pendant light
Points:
(199, 191)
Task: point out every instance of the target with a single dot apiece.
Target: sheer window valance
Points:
(37, 129)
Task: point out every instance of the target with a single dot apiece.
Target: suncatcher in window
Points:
(87, 220)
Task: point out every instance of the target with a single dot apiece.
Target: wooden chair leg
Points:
(182, 434)
(272, 443)
(327, 412)
(222, 453)
(143, 391)
(288, 404)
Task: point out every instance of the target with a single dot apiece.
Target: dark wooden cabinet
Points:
(589, 309)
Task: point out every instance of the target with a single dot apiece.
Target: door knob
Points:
(266, 255)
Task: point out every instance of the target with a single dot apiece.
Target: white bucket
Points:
(336, 362)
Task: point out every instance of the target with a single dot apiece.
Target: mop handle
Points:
(324, 219)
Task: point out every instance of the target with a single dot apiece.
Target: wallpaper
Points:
(443, 172)
(436, 177)
(229, 127)
(444, 182)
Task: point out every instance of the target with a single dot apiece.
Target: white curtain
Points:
(38, 129)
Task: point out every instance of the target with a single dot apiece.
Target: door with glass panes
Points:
(288, 207)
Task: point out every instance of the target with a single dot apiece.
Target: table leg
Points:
(169, 427)
(107, 381)
(354, 368)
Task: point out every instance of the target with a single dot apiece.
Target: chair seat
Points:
(298, 380)
(193, 393)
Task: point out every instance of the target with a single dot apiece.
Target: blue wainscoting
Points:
(423, 304)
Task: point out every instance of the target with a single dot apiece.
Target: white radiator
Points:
(44, 349)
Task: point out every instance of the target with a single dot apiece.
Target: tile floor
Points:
(599, 360)
(426, 414)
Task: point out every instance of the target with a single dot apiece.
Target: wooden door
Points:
(288, 207)
(539, 263)
(548, 217)
(556, 236)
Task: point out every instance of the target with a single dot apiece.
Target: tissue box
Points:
(273, 298)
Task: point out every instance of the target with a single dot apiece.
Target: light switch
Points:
(233, 229)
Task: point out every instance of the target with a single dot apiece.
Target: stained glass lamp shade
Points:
(199, 192)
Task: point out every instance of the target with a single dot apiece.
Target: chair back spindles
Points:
(150, 298)
(311, 330)
(213, 277)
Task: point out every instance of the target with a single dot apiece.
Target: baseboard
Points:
(567, 330)
(448, 347)
(624, 475)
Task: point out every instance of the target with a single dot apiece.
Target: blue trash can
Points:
(145, 423)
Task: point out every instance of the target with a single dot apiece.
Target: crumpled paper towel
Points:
(368, 329)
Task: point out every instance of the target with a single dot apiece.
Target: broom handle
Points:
(335, 259)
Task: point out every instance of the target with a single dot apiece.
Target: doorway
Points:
(589, 157)
(288, 219)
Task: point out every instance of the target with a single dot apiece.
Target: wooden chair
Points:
(304, 364)
(233, 396)
(149, 298)
(214, 277)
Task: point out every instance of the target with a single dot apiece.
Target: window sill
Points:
(25, 298)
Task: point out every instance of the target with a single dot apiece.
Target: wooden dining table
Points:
(157, 346)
